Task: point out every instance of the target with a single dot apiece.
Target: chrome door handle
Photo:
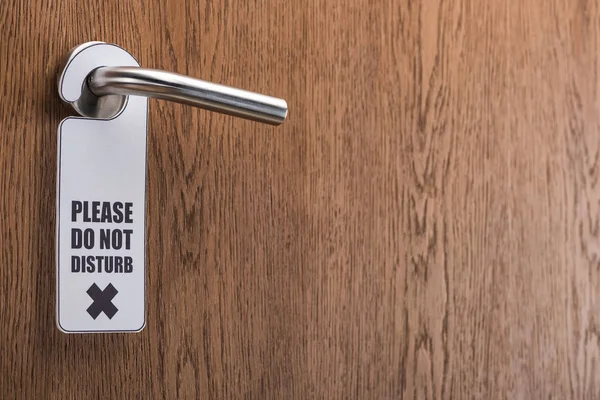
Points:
(105, 93)
(183, 89)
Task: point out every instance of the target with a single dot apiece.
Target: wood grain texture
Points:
(425, 225)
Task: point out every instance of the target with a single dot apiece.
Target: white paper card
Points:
(101, 211)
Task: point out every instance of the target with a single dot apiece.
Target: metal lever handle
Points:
(124, 81)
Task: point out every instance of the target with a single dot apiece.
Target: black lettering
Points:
(109, 267)
(90, 264)
(76, 208)
(105, 238)
(106, 214)
(102, 264)
(88, 238)
(118, 211)
(95, 211)
(75, 264)
(86, 213)
(128, 233)
(128, 213)
(117, 239)
(128, 265)
(76, 238)
(118, 264)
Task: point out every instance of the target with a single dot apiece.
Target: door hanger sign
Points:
(101, 182)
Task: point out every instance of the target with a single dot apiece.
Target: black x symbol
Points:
(102, 301)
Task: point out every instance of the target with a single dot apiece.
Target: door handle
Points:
(164, 85)
(106, 88)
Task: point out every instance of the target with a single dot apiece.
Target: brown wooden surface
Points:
(425, 225)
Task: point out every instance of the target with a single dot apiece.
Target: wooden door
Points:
(424, 225)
